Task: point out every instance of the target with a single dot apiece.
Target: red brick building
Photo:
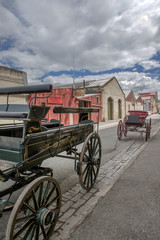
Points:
(105, 94)
(66, 97)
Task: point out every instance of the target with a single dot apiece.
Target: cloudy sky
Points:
(101, 39)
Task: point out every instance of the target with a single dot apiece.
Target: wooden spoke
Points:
(43, 232)
(36, 205)
(23, 219)
(40, 194)
(28, 224)
(46, 192)
(49, 195)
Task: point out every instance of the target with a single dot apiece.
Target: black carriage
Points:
(23, 148)
(135, 122)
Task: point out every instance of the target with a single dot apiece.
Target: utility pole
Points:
(74, 87)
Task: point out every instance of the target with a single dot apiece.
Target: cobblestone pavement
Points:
(77, 203)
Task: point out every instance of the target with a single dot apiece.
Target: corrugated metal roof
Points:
(148, 93)
(98, 83)
(146, 98)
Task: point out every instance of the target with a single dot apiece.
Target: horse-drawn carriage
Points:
(23, 148)
(135, 122)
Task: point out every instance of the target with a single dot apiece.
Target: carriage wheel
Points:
(36, 210)
(119, 130)
(125, 131)
(147, 132)
(150, 123)
(90, 160)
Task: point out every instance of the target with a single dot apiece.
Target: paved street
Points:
(130, 210)
(77, 203)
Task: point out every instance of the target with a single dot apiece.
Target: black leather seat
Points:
(13, 115)
(134, 120)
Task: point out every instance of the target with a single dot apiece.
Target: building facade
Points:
(150, 101)
(105, 94)
(133, 102)
(66, 97)
(11, 78)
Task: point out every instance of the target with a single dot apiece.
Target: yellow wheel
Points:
(36, 211)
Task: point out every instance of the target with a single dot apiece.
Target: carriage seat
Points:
(134, 120)
(13, 115)
(22, 111)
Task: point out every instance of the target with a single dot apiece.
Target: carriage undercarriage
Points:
(135, 122)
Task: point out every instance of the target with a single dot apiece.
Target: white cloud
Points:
(150, 64)
(101, 35)
(138, 82)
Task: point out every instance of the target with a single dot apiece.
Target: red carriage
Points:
(136, 122)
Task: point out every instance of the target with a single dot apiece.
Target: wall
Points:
(64, 97)
(95, 101)
(130, 106)
(11, 78)
(113, 90)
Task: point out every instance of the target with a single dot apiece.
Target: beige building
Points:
(133, 102)
(105, 94)
(139, 103)
(113, 98)
(12, 78)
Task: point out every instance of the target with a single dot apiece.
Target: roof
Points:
(91, 83)
(146, 97)
(98, 83)
(126, 92)
(92, 86)
(148, 93)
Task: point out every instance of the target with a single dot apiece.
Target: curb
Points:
(77, 203)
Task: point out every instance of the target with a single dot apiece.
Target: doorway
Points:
(110, 108)
(83, 116)
(119, 108)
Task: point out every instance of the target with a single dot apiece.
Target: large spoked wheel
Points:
(90, 160)
(125, 131)
(36, 211)
(147, 131)
(150, 123)
(119, 130)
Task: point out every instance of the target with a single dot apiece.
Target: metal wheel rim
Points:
(89, 169)
(147, 132)
(125, 131)
(119, 130)
(45, 198)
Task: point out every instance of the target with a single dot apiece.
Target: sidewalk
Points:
(77, 204)
(131, 209)
(108, 124)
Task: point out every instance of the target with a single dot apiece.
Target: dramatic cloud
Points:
(43, 36)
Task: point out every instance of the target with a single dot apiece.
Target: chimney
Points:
(84, 84)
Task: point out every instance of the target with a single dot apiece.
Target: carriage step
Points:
(8, 207)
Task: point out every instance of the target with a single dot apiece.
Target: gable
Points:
(139, 99)
(113, 88)
(131, 98)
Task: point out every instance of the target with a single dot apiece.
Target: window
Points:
(97, 100)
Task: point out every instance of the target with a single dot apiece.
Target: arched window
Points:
(119, 108)
(110, 108)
